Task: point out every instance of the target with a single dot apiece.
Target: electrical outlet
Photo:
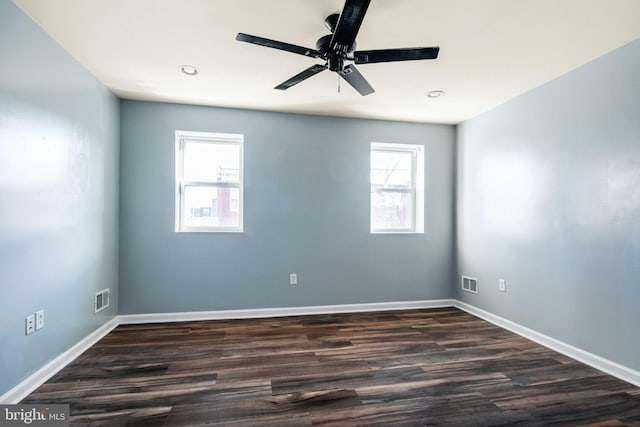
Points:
(502, 285)
(29, 324)
(39, 320)
(293, 279)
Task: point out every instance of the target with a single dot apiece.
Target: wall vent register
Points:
(101, 300)
(470, 284)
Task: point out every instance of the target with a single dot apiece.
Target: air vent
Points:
(102, 300)
(470, 284)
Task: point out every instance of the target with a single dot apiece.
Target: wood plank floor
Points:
(401, 368)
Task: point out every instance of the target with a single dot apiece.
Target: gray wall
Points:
(58, 193)
(548, 198)
(306, 212)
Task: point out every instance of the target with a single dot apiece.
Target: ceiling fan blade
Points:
(349, 25)
(390, 55)
(355, 79)
(309, 72)
(288, 47)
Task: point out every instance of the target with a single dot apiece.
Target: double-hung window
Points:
(397, 188)
(209, 194)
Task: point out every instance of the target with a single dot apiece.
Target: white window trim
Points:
(213, 138)
(417, 226)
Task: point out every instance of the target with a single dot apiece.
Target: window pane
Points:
(211, 207)
(211, 162)
(234, 205)
(391, 169)
(391, 210)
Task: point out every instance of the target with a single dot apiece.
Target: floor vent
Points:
(102, 300)
(470, 284)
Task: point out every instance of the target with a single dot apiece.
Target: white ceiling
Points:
(490, 50)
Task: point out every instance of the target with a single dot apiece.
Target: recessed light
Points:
(435, 93)
(189, 70)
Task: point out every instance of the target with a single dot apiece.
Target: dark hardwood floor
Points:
(402, 368)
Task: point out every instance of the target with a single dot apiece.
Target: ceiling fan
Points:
(340, 46)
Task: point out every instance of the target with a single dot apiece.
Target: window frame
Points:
(181, 139)
(416, 191)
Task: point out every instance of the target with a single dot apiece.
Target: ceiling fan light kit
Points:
(340, 47)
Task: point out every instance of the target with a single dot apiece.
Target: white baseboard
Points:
(254, 313)
(612, 368)
(35, 380)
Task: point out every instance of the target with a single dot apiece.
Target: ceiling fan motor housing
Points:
(322, 45)
(335, 59)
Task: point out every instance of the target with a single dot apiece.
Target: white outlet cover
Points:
(39, 319)
(29, 324)
(502, 285)
(293, 279)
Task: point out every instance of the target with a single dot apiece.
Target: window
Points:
(397, 194)
(208, 181)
